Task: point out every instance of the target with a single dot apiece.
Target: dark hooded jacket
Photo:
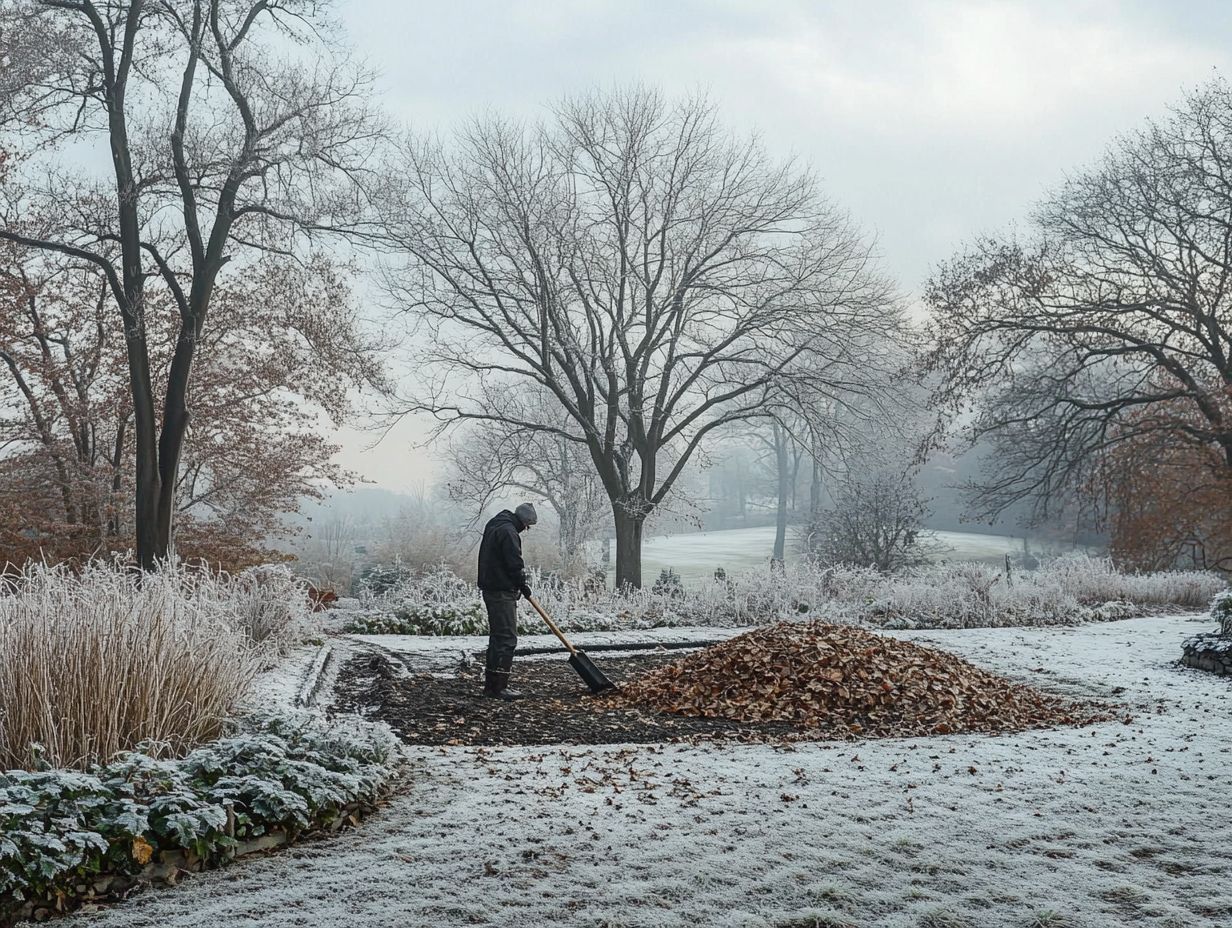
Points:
(501, 567)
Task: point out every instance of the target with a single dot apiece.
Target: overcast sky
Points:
(931, 121)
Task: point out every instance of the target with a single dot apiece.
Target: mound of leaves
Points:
(838, 681)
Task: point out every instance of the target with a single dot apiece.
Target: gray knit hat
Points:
(526, 514)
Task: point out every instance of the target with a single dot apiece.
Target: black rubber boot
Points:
(491, 684)
(496, 682)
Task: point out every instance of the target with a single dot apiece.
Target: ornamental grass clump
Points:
(268, 603)
(99, 662)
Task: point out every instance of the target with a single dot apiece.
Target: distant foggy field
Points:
(696, 555)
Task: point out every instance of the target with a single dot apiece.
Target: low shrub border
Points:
(1221, 612)
(437, 621)
(72, 837)
(1071, 590)
(463, 618)
(471, 619)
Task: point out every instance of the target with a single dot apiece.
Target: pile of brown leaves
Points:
(837, 681)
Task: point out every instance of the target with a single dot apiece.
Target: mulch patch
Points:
(556, 707)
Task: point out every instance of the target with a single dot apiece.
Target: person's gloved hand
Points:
(524, 590)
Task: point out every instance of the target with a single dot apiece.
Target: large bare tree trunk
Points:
(815, 482)
(145, 444)
(628, 548)
(175, 426)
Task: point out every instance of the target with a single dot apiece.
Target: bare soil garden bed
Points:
(447, 709)
(788, 682)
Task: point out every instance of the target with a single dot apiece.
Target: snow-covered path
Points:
(1115, 825)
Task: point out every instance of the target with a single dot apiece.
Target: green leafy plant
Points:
(454, 619)
(59, 829)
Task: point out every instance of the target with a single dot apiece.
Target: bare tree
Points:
(658, 277)
(233, 127)
(779, 458)
(876, 521)
(787, 456)
(281, 355)
(877, 426)
(326, 551)
(1111, 324)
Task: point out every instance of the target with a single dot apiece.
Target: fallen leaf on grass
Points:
(142, 850)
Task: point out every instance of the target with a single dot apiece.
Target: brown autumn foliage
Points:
(839, 682)
(1171, 505)
(276, 365)
(1167, 486)
(238, 133)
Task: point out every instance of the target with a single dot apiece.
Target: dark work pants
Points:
(502, 609)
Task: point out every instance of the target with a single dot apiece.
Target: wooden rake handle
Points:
(552, 625)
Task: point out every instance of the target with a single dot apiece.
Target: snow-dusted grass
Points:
(99, 662)
(1101, 827)
(1068, 590)
(695, 555)
(1063, 591)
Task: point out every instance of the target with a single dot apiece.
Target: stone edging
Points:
(1210, 652)
(312, 678)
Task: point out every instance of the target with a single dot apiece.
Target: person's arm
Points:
(511, 548)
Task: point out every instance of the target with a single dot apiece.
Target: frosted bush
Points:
(953, 595)
(1096, 580)
(851, 584)
(437, 586)
(60, 830)
(268, 603)
(970, 595)
(466, 618)
(1221, 611)
(1065, 591)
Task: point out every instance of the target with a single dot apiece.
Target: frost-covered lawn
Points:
(1108, 826)
(695, 555)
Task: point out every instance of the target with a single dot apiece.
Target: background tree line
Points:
(598, 305)
(1094, 352)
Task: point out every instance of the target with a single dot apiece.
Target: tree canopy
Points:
(658, 277)
(1107, 324)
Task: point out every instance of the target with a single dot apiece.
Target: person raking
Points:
(502, 579)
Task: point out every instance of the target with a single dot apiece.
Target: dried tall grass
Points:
(99, 662)
(268, 603)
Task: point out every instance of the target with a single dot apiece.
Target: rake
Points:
(591, 675)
